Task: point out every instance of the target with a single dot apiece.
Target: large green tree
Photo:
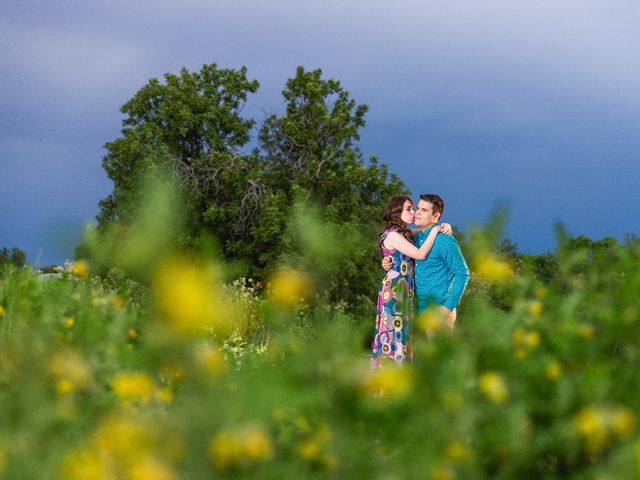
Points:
(254, 203)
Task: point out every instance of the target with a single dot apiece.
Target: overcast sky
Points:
(531, 103)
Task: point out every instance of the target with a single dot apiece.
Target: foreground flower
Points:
(287, 287)
(79, 268)
(190, 300)
(86, 464)
(554, 371)
(388, 383)
(246, 446)
(431, 321)
(490, 267)
(151, 469)
(70, 371)
(133, 386)
(494, 387)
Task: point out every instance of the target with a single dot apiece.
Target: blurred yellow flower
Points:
(388, 383)
(190, 300)
(133, 386)
(256, 444)
(245, 446)
(71, 372)
(117, 301)
(585, 330)
(431, 321)
(623, 421)
(79, 268)
(287, 287)
(164, 395)
(458, 452)
(126, 439)
(443, 473)
(493, 386)
(540, 292)
(532, 339)
(1, 311)
(151, 469)
(535, 308)
(211, 359)
(591, 424)
(68, 322)
(554, 371)
(490, 267)
(132, 334)
(86, 464)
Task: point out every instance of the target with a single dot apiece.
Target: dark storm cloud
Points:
(535, 103)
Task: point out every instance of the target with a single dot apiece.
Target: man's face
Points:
(424, 215)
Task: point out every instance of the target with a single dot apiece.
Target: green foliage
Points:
(15, 257)
(543, 386)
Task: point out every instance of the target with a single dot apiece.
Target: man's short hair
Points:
(435, 200)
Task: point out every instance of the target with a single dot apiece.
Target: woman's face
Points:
(407, 212)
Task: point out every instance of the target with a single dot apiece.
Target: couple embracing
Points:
(423, 264)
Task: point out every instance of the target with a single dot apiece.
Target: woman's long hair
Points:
(392, 218)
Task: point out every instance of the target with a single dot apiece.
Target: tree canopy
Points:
(305, 159)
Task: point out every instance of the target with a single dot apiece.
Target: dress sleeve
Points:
(460, 271)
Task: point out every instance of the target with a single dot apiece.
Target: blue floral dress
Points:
(395, 309)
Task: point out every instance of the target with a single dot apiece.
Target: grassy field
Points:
(189, 378)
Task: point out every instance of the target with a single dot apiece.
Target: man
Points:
(442, 277)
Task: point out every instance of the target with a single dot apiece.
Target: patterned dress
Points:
(395, 309)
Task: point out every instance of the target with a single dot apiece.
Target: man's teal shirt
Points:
(442, 277)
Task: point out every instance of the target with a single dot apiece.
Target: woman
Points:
(396, 296)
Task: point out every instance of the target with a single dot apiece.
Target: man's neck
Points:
(428, 227)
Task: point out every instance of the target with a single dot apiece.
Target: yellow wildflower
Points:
(532, 339)
(585, 330)
(554, 371)
(1, 311)
(68, 322)
(520, 353)
(87, 464)
(133, 386)
(151, 469)
(490, 267)
(256, 444)
(535, 308)
(458, 452)
(189, 299)
(591, 424)
(623, 421)
(79, 268)
(388, 383)
(225, 450)
(287, 287)
(164, 395)
(132, 334)
(431, 321)
(71, 372)
(247, 446)
(540, 292)
(443, 473)
(309, 449)
(117, 301)
(493, 386)
(127, 440)
(211, 359)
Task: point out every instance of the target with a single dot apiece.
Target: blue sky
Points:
(535, 104)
